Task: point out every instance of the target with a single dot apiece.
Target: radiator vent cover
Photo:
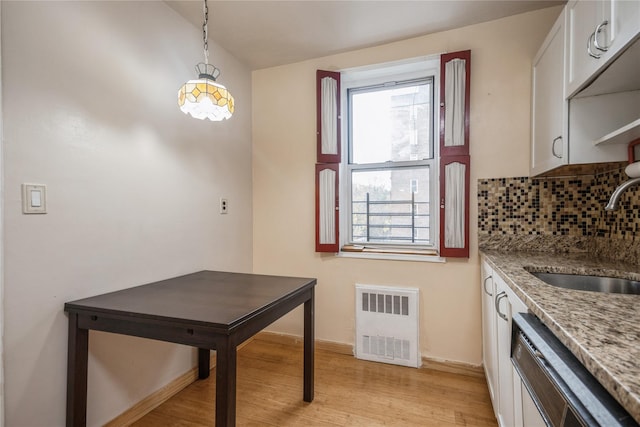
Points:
(387, 321)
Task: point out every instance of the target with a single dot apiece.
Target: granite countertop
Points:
(601, 330)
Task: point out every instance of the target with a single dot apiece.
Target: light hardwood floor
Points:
(348, 392)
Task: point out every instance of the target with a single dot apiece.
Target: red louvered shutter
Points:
(454, 157)
(328, 128)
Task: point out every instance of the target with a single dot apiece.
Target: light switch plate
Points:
(34, 198)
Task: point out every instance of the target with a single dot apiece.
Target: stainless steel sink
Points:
(590, 283)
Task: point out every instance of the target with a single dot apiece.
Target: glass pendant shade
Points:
(204, 98)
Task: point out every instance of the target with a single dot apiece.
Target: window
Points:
(391, 154)
(395, 189)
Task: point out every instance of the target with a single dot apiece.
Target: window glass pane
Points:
(391, 124)
(391, 206)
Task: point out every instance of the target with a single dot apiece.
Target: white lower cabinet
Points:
(526, 413)
(489, 342)
(531, 417)
(502, 379)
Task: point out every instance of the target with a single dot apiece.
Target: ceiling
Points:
(265, 33)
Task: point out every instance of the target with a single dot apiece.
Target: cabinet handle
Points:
(500, 296)
(484, 286)
(599, 29)
(589, 51)
(553, 146)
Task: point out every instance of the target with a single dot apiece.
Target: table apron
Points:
(252, 326)
(191, 335)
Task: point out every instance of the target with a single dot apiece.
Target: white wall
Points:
(90, 110)
(283, 190)
(1, 242)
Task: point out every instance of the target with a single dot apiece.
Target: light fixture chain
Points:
(205, 32)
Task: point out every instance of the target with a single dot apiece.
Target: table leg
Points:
(309, 339)
(226, 358)
(77, 359)
(203, 363)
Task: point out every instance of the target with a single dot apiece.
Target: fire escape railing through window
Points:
(390, 221)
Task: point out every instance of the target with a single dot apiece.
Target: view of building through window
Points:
(391, 148)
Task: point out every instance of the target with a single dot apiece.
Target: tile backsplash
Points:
(560, 214)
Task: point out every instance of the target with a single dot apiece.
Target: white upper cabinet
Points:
(550, 144)
(586, 88)
(586, 28)
(598, 31)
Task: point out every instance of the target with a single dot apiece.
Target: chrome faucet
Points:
(613, 201)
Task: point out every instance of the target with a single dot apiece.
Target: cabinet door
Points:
(531, 417)
(549, 142)
(506, 303)
(625, 23)
(518, 390)
(505, 372)
(583, 57)
(597, 32)
(489, 343)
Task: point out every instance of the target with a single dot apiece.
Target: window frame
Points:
(415, 70)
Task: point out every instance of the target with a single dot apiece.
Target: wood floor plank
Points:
(348, 392)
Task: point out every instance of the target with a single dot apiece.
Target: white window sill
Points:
(391, 257)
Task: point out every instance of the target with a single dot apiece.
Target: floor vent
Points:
(387, 325)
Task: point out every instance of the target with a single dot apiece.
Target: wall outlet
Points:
(224, 205)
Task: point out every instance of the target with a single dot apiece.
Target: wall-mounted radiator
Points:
(387, 325)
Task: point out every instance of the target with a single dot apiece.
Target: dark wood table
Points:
(210, 310)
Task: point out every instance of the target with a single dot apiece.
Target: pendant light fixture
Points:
(204, 98)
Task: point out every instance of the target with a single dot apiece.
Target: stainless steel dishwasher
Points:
(564, 392)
